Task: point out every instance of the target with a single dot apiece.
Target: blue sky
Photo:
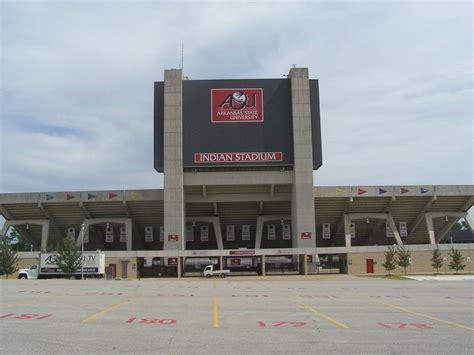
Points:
(77, 84)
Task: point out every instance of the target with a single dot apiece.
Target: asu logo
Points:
(238, 101)
(236, 105)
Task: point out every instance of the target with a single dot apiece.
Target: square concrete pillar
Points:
(173, 161)
(262, 263)
(302, 202)
(180, 267)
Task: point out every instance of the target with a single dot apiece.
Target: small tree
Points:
(389, 263)
(8, 258)
(456, 260)
(436, 260)
(403, 257)
(69, 257)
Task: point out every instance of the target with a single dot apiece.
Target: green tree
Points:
(403, 257)
(17, 241)
(69, 257)
(436, 260)
(389, 263)
(456, 260)
(8, 258)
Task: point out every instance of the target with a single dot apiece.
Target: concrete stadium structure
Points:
(262, 210)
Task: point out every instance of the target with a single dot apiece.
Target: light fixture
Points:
(446, 218)
(282, 222)
(367, 220)
(27, 226)
(108, 225)
(194, 223)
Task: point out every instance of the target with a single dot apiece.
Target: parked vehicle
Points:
(93, 262)
(209, 271)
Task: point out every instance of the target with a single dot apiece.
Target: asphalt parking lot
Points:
(264, 315)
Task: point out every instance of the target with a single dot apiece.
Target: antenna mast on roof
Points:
(182, 56)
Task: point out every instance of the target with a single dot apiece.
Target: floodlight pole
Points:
(82, 252)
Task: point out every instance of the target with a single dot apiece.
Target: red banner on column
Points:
(173, 237)
(305, 235)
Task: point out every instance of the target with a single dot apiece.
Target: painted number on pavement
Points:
(281, 324)
(26, 316)
(405, 325)
(152, 320)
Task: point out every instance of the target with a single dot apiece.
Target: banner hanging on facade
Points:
(245, 232)
(230, 233)
(326, 231)
(71, 233)
(353, 230)
(204, 233)
(86, 234)
(388, 230)
(149, 234)
(403, 229)
(109, 235)
(123, 235)
(162, 233)
(189, 234)
(271, 234)
(286, 233)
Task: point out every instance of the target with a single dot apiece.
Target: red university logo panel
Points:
(236, 105)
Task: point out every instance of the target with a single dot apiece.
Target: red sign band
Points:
(242, 252)
(249, 157)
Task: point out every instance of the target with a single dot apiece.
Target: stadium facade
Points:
(238, 158)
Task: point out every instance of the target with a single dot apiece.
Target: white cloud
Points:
(77, 85)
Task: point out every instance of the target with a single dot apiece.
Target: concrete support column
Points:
(128, 229)
(430, 227)
(261, 221)
(44, 231)
(180, 266)
(394, 229)
(262, 263)
(221, 262)
(173, 161)
(455, 217)
(44, 235)
(347, 230)
(470, 222)
(216, 223)
(127, 222)
(302, 201)
(303, 265)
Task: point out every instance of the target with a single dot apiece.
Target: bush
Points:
(456, 260)
(403, 257)
(389, 263)
(436, 260)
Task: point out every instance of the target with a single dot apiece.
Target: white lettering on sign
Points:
(238, 157)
